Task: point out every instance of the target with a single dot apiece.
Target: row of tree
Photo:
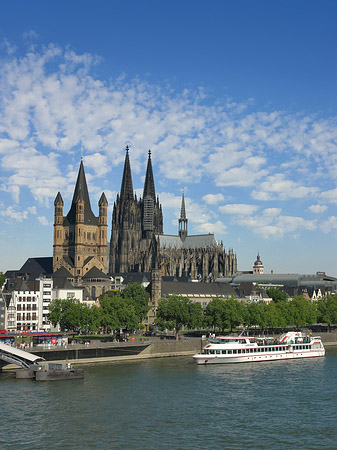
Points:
(176, 312)
(128, 310)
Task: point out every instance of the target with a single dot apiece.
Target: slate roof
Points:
(62, 272)
(191, 242)
(94, 272)
(183, 288)
(35, 267)
(318, 280)
(81, 194)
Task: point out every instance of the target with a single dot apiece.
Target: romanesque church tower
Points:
(134, 224)
(80, 238)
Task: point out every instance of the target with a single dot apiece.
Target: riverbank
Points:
(97, 352)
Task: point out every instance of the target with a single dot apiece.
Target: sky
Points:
(236, 99)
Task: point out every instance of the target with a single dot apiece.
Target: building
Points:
(138, 243)
(294, 284)
(258, 267)
(80, 238)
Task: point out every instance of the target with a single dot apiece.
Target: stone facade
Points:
(80, 238)
(138, 244)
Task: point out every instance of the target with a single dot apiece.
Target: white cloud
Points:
(328, 225)
(32, 209)
(43, 221)
(216, 228)
(317, 209)
(270, 223)
(277, 187)
(14, 214)
(330, 196)
(241, 209)
(213, 199)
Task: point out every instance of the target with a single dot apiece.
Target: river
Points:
(172, 403)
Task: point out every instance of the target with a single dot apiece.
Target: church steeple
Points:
(81, 194)
(127, 187)
(149, 190)
(183, 220)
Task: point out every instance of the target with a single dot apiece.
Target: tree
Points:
(70, 314)
(285, 314)
(234, 313)
(117, 313)
(2, 279)
(214, 314)
(303, 311)
(277, 295)
(136, 296)
(327, 310)
(175, 311)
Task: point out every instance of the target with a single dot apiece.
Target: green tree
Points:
(327, 310)
(234, 313)
(136, 296)
(277, 295)
(2, 279)
(70, 314)
(285, 314)
(117, 313)
(253, 313)
(175, 311)
(303, 311)
(214, 313)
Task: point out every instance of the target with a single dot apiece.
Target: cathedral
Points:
(138, 243)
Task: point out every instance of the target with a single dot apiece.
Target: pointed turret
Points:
(81, 194)
(149, 190)
(103, 201)
(58, 200)
(127, 188)
(183, 220)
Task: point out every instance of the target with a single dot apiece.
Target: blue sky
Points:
(235, 99)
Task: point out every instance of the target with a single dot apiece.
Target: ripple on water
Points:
(175, 404)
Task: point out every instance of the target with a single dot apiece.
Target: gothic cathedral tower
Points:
(134, 224)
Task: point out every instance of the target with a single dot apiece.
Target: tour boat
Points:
(237, 349)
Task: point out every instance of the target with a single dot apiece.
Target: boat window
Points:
(230, 351)
(224, 352)
(234, 352)
(239, 351)
(218, 352)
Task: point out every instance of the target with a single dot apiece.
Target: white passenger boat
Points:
(237, 349)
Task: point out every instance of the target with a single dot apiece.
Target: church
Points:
(138, 243)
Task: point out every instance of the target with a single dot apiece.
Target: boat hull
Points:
(202, 359)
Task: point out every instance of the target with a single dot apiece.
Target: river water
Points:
(172, 403)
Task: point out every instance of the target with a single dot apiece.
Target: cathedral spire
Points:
(183, 210)
(127, 187)
(183, 220)
(81, 194)
(149, 190)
